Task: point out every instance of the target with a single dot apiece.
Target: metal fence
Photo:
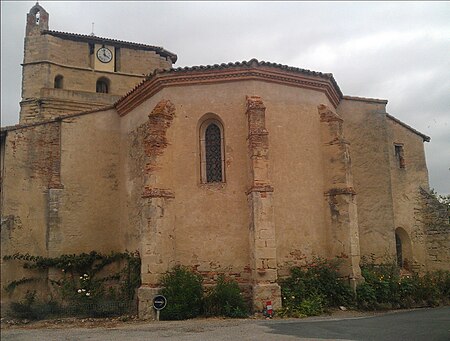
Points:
(105, 308)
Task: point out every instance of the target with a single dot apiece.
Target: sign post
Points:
(159, 303)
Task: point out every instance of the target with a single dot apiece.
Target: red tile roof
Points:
(252, 62)
(192, 70)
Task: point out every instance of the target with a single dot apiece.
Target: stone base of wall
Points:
(145, 302)
(266, 292)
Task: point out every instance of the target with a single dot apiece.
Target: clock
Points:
(104, 55)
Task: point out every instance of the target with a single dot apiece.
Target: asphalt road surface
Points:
(422, 324)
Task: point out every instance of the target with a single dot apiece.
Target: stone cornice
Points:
(254, 71)
(81, 68)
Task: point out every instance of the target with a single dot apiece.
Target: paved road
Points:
(423, 324)
(426, 324)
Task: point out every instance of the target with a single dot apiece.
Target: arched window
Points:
(102, 85)
(59, 82)
(212, 151)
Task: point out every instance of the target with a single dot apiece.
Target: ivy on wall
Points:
(84, 281)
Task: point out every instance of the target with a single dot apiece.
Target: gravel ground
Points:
(130, 328)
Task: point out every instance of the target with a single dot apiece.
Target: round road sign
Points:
(159, 302)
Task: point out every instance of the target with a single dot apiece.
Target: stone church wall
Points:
(406, 181)
(30, 169)
(90, 199)
(211, 220)
(365, 128)
(296, 169)
(434, 217)
(60, 190)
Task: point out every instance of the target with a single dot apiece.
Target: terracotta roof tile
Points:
(90, 38)
(250, 63)
(244, 64)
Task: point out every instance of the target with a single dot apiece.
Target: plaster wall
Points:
(406, 183)
(366, 129)
(29, 164)
(211, 220)
(90, 200)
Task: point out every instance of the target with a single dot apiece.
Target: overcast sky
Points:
(395, 51)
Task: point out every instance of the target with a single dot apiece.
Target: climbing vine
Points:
(83, 281)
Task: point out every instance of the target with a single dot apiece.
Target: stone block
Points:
(145, 302)
(266, 292)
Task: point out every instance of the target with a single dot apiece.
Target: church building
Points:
(244, 169)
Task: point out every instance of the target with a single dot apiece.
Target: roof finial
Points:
(92, 33)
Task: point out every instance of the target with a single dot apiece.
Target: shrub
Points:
(183, 290)
(366, 295)
(311, 289)
(225, 299)
(384, 288)
(312, 306)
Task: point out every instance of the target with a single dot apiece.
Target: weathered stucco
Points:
(307, 172)
(365, 128)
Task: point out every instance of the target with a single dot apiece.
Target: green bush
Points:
(312, 306)
(225, 299)
(312, 288)
(384, 288)
(366, 296)
(183, 290)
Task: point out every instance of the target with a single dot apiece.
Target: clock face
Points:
(104, 55)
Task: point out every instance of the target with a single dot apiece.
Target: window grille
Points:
(213, 151)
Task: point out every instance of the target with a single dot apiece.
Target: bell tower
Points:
(65, 73)
(37, 20)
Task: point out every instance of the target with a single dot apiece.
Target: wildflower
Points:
(81, 277)
(85, 275)
(88, 294)
(83, 290)
(293, 297)
(79, 290)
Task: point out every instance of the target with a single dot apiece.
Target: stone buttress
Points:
(343, 235)
(263, 251)
(157, 225)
